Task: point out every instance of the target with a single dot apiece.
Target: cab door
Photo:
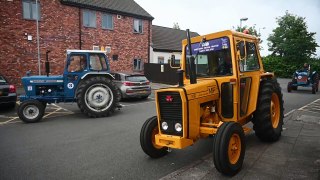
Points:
(248, 76)
(76, 67)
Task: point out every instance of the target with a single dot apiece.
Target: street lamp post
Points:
(242, 19)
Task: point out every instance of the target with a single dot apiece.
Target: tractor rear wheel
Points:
(268, 117)
(289, 87)
(314, 89)
(31, 111)
(229, 148)
(147, 139)
(97, 96)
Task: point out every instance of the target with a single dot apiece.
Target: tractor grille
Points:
(170, 111)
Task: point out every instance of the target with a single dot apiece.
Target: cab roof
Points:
(84, 51)
(221, 34)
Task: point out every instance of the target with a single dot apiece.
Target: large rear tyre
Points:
(147, 139)
(289, 87)
(31, 111)
(268, 117)
(229, 148)
(314, 89)
(97, 96)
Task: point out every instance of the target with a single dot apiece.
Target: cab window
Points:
(77, 63)
(212, 58)
(98, 62)
(251, 61)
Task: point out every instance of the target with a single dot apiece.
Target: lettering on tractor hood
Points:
(195, 91)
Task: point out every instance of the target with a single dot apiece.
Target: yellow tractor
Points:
(222, 87)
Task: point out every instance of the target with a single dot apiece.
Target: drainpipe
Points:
(80, 40)
(38, 43)
(149, 40)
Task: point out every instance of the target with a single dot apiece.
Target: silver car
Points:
(132, 85)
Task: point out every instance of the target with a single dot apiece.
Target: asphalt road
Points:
(68, 145)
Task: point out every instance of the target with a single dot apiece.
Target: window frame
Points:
(31, 11)
(105, 15)
(140, 66)
(140, 21)
(255, 56)
(90, 12)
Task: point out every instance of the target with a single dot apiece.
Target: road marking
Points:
(136, 104)
(309, 111)
(288, 113)
(6, 122)
(54, 113)
(317, 100)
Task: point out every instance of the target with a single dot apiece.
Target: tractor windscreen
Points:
(212, 57)
(98, 62)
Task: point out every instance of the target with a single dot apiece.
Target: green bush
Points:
(285, 68)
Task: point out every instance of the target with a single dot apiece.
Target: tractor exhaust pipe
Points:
(47, 63)
(192, 67)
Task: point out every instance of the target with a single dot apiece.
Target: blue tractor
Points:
(304, 78)
(86, 80)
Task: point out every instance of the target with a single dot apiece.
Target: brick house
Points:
(122, 28)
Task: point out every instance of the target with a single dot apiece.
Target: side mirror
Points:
(173, 62)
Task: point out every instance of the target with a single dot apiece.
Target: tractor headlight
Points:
(178, 127)
(164, 125)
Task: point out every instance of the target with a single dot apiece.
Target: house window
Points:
(89, 18)
(137, 65)
(137, 26)
(107, 21)
(29, 8)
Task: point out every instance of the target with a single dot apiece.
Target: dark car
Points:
(132, 85)
(8, 94)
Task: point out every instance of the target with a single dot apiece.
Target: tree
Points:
(291, 40)
(176, 26)
(252, 31)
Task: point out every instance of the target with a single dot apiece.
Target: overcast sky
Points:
(207, 16)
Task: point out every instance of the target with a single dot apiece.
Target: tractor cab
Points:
(81, 63)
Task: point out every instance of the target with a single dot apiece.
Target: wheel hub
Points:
(275, 110)
(234, 149)
(98, 97)
(31, 111)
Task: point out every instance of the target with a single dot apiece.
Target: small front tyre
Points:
(147, 139)
(229, 148)
(31, 111)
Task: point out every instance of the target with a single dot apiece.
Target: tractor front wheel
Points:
(229, 148)
(97, 96)
(268, 117)
(147, 139)
(31, 111)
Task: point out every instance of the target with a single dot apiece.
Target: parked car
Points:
(132, 85)
(8, 94)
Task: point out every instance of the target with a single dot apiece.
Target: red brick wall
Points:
(59, 31)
